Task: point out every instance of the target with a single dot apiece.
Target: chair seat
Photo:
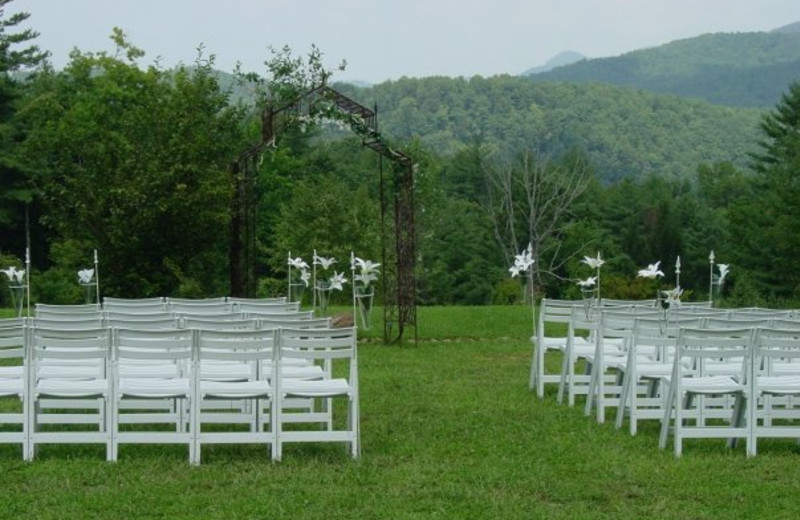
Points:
(11, 387)
(11, 372)
(157, 370)
(69, 371)
(71, 387)
(711, 385)
(235, 389)
(317, 388)
(154, 388)
(225, 371)
(781, 385)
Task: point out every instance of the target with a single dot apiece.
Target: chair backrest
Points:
(13, 344)
(134, 305)
(288, 316)
(758, 313)
(239, 299)
(728, 322)
(614, 302)
(774, 347)
(66, 322)
(208, 316)
(786, 323)
(268, 307)
(254, 347)
(206, 323)
(14, 322)
(88, 347)
(317, 345)
(156, 344)
(44, 310)
(141, 321)
(309, 323)
(699, 348)
(658, 336)
(200, 307)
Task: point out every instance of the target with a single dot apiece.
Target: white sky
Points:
(388, 39)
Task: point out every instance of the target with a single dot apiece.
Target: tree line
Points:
(134, 161)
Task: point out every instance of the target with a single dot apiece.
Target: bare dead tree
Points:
(529, 203)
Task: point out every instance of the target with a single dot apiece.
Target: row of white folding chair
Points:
(613, 333)
(109, 379)
(707, 364)
(583, 345)
(555, 313)
(586, 342)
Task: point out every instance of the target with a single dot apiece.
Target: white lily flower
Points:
(11, 273)
(324, 262)
(522, 261)
(85, 275)
(652, 271)
(337, 280)
(305, 275)
(367, 266)
(673, 294)
(594, 263)
(723, 272)
(589, 282)
(298, 263)
(366, 278)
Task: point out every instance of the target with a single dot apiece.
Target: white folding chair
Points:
(553, 314)
(72, 368)
(325, 348)
(776, 385)
(580, 344)
(695, 374)
(608, 361)
(254, 350)
(649, 361)
(154, 366)
(14, 385)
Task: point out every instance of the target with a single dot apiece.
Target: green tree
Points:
(16, 54)
(766, 224)
(133, 162)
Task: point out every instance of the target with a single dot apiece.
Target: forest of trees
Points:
(134, 161)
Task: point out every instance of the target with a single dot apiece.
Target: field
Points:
(450, 430)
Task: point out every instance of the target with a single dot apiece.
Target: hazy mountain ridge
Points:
(736, 69)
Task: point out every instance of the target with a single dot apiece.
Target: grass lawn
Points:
(450, 430)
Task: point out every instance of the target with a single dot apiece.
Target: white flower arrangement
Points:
(594, 263)
(651, 271)
(724, 269)
(302, 266)
(325, 263)
(337, 281)
(522, 262)
(368, 271)
(85, 276)
(15, 275)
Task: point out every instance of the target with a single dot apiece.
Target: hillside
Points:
(741, 69)
(626, 132)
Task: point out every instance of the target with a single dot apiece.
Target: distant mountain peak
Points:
(791, 28)
(559, 60)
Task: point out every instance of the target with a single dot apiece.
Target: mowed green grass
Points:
(450, 430)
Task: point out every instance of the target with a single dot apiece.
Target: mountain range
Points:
(734, 69)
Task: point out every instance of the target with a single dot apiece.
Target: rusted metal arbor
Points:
(397, 205)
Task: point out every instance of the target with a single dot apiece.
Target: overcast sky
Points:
(388, 39)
